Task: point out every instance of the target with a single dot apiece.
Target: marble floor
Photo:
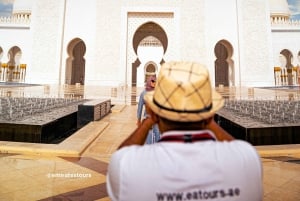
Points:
(75, 169)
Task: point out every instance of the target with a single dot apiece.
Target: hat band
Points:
(206, 109)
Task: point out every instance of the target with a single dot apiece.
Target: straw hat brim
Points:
(217, 104)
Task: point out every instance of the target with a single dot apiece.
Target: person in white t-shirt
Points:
(195, 158)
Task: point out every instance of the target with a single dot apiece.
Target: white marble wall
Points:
(81, 23)
(192, 31)
(16, 36)
(286, 40)
(47, 34)
(255, 44)
(222, 25)
(106, 27)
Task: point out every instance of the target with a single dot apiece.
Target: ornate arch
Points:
(75, 63)
(145, 30)
(224, 65)
(288, 56)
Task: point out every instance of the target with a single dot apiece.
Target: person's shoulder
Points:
(143, 93)
(125, 154)
(126, 150)
(242, 143)
(244, 147)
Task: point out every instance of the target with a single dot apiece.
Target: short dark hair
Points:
(179, 125)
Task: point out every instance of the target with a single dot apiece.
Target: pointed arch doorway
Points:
(75, 64)
(288, 57)
(224, 65)
(14, 55)
(148, 34)
(288, 65)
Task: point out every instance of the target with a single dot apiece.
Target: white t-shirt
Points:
(202, 170)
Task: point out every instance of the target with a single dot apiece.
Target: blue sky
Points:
(294, 5)
(5, 7)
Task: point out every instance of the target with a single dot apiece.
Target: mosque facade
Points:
(117, 43)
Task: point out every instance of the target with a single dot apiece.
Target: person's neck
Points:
(174, 128)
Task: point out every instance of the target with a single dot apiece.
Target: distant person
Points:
(153, 134)
(195, 159)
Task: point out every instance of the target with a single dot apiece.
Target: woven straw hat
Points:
(183, 93)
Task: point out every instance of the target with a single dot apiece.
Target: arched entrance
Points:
(75, 64)
(224, 65)
(148, 36)
(150, 69)
(287, 63)
(14, 56)
(288, 58)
